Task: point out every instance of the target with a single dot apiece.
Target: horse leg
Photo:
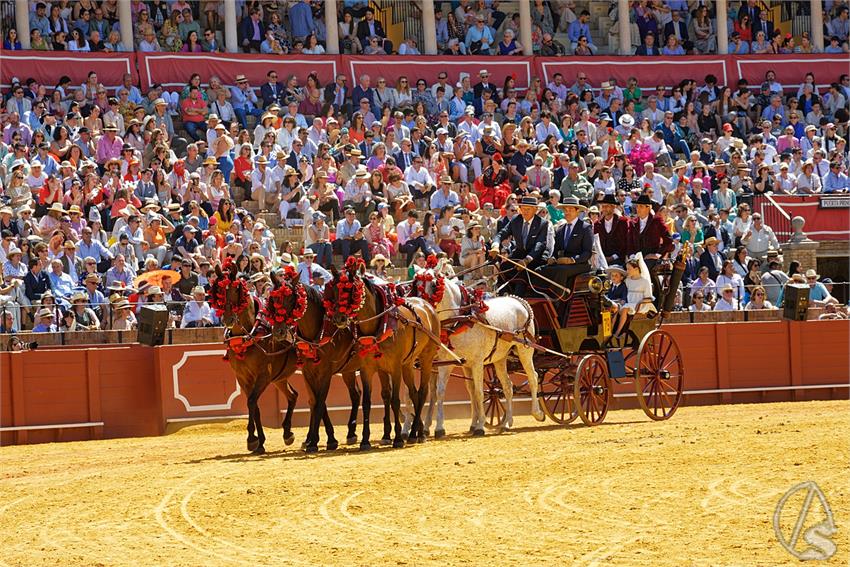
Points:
(323, 401)
(501, 368)
(425, 375)
(386, 396)
(254, 409)
(413, 397)
(396, 403)
(311, 444)
(252, 437)
(366, 380)
(428, 417)
(406, 405)
(438, 396)
(478, 400)
(473, 407)
(350, 379)
(291, 399)
(526, 358)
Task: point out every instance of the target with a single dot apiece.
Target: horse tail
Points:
(528, 327)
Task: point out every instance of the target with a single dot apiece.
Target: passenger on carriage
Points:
(573, 246)
(648, 235)
(640, 298)
(613, 230)
(533, 241)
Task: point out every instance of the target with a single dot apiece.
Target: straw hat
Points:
(377, 257)
(812, 274)
(45, 312)
(79, 296)
(572, 202)
(56, 208)
(153, 290)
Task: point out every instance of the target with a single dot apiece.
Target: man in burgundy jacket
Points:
(613, 232)
(648, 234)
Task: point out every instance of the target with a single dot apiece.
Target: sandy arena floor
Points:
(700, 489)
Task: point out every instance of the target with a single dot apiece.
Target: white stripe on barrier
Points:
(53, 426)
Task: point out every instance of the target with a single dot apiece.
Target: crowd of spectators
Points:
(104, 183)
(473, 27)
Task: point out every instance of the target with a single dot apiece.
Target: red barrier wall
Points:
(174, 69)
(821, 223)
(139, 391)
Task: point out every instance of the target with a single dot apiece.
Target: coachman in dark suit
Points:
(531, 246)
(613, 232)
(648, 234)
(573, 246)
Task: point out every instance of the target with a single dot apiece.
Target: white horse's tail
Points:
(529, 323)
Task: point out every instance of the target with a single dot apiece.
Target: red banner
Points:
(650, 71)
(425, 67)
(822, 223)
(172, 70)
(790, 69)
(48, 66)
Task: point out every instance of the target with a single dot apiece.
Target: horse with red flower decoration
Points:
(483, 332)
(392, 335)
(250, 353)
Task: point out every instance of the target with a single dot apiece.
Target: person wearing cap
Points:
(649, 235)
(533, 240)
(197, 312)
(612, 230)
(573, 246)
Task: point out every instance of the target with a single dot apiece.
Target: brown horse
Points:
(357, 304)
(259, 361)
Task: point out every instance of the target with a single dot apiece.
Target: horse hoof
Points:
(421, 439)
(471, 429)
(365, 445)
(439, 433)
(252, 445)
(539, 416)
(405, 436)
(478, 433)
(311, 449)
(398, 443)
(289, 440)
(386, 441)
(332, 445)
(427, 432)
(303, 445)
(259, 450)
(351, 440)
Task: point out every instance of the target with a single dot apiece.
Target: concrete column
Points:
(624, 27)
(722, 27)
(231, 38)
(817, 24)
(429, 27)
(524, 27)
(22, 22)
(125, 21)
(332, 27)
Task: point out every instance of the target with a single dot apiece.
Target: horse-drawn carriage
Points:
(578, 359)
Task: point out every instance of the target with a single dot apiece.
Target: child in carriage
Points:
(619, 293)
(639, 285)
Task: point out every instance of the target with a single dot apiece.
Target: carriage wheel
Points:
(659, 375)
(495, 411)
(556, 394)
(592, 389)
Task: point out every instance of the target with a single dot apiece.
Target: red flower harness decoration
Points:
(218, 295)
(275, 311)
(421, 283)
(351, 291)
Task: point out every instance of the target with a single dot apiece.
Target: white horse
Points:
(479, 346)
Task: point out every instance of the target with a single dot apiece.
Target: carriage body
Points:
(578, 360)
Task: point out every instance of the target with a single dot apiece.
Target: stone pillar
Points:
(125, 21)
(624, 27)
(524, 27)
(332, 27)
(231, 36)
(817, 24)
(800, 248)
(22, 22)
(722, 27)
(429, 28)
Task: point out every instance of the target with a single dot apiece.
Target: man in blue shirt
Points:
(45, 322)
(301, 19)
(90, 248)
(243, 99)
(311, 273)
(350, 238)
(835, 181)
(61, 283)
(479, 33)
(579, 28)
(818, 294)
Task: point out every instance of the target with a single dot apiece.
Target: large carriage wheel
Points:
(592, 389)
(556, 394)
(495, 411)
(659, 375)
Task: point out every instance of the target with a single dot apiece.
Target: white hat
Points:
(627, 121)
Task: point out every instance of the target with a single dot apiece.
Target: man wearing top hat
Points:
(613, 231)
(533, 241)
(573, 245)
(648, 234)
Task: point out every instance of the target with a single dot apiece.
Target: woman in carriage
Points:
(640, 298)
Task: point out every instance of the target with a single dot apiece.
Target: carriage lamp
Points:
(595, 285)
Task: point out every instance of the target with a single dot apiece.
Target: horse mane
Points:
(313, 295)
(371, 288)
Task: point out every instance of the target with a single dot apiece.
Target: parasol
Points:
(155, 278)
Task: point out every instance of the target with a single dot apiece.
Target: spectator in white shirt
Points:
(197, 312)
(660, 184)
(419, 180)
(727, 301)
